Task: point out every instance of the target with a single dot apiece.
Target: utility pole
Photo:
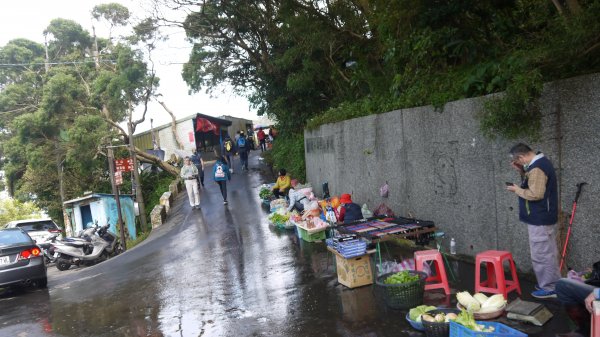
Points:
(46, 65)
(138, 186)
(115, 191)
(96, 52)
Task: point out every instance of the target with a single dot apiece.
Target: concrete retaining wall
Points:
(439, 167)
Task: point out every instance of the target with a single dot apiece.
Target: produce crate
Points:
(308, 237)
(500, 330)
(402, 295)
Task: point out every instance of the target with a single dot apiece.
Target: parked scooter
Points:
(114, 247)
(95, 245)
(47, 247)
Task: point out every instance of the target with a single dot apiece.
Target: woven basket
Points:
(403, 295)
(434, 329)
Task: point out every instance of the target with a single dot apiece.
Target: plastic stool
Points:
(595, 319)
(439, 279)
(496, 283)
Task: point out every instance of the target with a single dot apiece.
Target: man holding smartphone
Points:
(538, 208)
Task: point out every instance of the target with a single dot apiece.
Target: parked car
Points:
(40, 230)
(21, 261)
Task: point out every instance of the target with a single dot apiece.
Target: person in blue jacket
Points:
(221, 175)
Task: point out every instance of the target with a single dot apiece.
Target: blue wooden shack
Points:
(83, 212)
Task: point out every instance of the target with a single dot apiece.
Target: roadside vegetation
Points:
(61, 105)
(309, 63)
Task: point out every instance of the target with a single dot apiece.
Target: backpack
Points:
(220, 172)
(242, 142)
(228, 146)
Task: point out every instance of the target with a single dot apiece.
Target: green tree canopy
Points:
(12, 209)
(56, 113)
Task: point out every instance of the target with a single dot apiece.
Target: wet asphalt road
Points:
(219, 271)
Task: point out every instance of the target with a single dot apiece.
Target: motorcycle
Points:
(47, 248)
(96, 244)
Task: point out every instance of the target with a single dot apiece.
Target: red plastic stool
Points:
(438, 280)
(595, 319)
(496, 283)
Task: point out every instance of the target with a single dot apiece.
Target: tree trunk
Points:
(173, 126)
(152, 159)
(138, 184)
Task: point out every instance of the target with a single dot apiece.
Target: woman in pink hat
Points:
(349, 211)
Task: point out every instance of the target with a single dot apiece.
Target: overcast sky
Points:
(29, 18)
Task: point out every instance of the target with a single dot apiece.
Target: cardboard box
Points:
(353, 272)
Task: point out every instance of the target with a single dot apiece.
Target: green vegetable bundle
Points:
(466, 319)
(277, 218)
(265, 193)
(401, 277)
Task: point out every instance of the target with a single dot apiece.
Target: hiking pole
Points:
(564, 252)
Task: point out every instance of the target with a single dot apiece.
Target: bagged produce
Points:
(383, 209)
(366, 212)
(277, 204)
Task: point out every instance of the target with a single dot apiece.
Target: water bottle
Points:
(452, 246)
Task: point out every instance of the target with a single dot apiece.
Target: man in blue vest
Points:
(538, 208)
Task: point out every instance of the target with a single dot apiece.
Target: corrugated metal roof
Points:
(96, 195)
(168, 125)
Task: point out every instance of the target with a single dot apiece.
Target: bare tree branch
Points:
(173, 125)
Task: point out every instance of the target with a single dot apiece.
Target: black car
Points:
(21, 261)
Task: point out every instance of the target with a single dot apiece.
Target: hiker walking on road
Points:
(229, 151)
(538, 208)
(262, 139)
(189, 174)
(243, 147)
(221, 175)
(196, 159)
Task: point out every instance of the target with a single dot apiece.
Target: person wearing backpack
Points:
(242, 145)
(229, 151)
(221, 175)
(196, 159)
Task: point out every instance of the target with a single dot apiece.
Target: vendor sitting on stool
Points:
(349, 211)
(577, 298)
(282, 185)
(298, 201)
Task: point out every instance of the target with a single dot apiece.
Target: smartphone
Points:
(509, 184)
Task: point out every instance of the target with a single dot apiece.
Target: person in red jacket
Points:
(349, 211)
(262, 139)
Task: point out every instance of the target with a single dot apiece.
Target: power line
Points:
(6, 65)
